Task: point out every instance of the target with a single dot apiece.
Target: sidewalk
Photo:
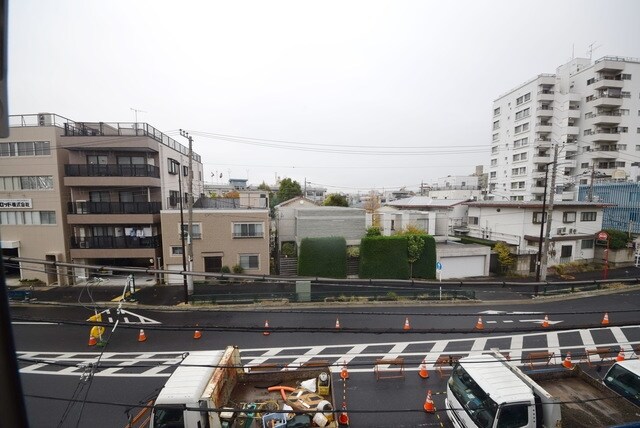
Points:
(149, 294)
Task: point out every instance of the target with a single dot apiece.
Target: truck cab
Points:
(624, 378)
(183, 391)
(482, 392)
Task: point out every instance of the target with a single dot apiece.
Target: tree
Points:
(336, 200)
(264, 186)
(415, 244)
(289, 189)
(233, 194)
(372, 203)
(504, 256)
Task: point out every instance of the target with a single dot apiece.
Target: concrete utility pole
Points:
(190, 210)
(552, 192)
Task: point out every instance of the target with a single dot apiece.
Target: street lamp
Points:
(184, 254)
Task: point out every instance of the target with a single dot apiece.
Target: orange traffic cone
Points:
(479, 324)
(266, 331)
(605, 320)
(197, 334)
(92, 340)
(141, 336)
(423, 370)
(344, 374)
(545, 322)
(407, 326)
(566, 363)
(343, 419)
(428, 404)
(337, 323)
(620, 356)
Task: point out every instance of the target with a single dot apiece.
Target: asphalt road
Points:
(133, 371)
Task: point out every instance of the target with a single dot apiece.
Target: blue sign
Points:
(438, 266)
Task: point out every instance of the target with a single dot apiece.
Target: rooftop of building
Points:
(425, 201)
(535, 204)
(95, 129)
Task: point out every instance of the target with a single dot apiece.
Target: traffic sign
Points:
(603, 236)
(438, 266)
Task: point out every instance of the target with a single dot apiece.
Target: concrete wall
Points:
(320, 222)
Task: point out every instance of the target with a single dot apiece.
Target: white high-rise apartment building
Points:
(589, 110)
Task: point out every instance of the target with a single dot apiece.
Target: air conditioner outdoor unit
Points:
(573, 231)
(562, 231)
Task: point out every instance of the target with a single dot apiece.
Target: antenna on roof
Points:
(592, 48)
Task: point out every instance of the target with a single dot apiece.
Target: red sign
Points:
(603, 236)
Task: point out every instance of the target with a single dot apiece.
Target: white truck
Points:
(242, 397)
(487, 391)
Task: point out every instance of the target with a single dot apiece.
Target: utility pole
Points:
(593, 176)
(190, 210)
(552, 191)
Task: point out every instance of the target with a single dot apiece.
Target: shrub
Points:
(288, 249)
(617, 239)
(353, 251)
(225, 269)
(325, 257)
(374, 231)
(384, 257)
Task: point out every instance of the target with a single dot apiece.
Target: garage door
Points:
(174, 279)
(462, 267)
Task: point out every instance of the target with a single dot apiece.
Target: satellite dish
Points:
(619, 174)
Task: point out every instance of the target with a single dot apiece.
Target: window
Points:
(625, 76)
(492, 174)
(96, 160)
(586, 164)
(521, 128)
(622, 129)
(624, 112)
(569, 217)
(131, 160)
(185, 170)
(496, 111)
(496, 125)
(521, 142)
(517, 185)
(196, 232)
(586, 244)
(523, 113)
(494, 162)
(174, 198)
(249, 261)
(173, 166)
(539, 217)
(588, 216)
(566, 251)
(473, 220)
(100, 196)
(622, 147)
(519, 171)
(496, 137)
(176, 250)
(42, 182)
(494, 150)
(513, 416)
(519, 157)
(248, 230)
(25, 148)
(523, 99)
(28, 217)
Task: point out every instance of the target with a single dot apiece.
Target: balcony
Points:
(248, 235)
(115, 242)
(545, 95)
(572, 130)
(543, 127)
(605, 135)
(605, 101)
(608, 82)
(606, 118)
(538, 158)
(111, 170)
(573, 113)
(610, 63)
(544, 111)
(111, 175)
(114, 207)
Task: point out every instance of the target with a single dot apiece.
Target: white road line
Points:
(435, 352)
(515, 353)
(33, 323)
(553, 343)
(478, 346)
(312, 352)
(507, 321)
(621, 338)
(270, 353)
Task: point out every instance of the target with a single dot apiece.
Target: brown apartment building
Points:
(87, 193)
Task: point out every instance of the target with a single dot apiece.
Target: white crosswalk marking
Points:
(150, 364)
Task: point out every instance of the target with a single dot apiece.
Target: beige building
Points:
(220, 237)
(87, 193)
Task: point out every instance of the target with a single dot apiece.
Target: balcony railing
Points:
(249, 235)
(111, 170)
(100, 242)
(114, 207)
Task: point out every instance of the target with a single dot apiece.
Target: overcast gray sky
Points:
(350, 95)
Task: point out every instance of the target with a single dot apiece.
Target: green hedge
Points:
(384, 257)
(425, 266)
(323, 257)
